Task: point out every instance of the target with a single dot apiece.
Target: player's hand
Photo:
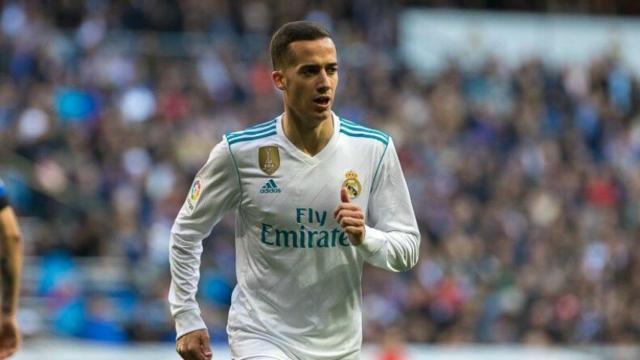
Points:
(194, 345)
(9, 336)
(350, 217)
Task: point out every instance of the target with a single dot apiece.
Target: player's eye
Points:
(310, 70)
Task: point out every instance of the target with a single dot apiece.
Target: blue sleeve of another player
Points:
(4, 201)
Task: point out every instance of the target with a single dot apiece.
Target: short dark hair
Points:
(290, 32)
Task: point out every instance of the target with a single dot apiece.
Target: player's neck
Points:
(309, 139)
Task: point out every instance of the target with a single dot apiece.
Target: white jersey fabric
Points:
(299, 277)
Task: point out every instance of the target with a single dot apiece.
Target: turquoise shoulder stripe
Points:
(250, 137)
(255, 128)
(262, 124)
(365, 131)
(350, 122)
(355, 127)
(382, 139)
(251, 132)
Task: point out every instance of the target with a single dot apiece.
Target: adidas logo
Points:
(270, 187)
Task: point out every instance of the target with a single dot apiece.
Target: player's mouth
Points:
(322, 102)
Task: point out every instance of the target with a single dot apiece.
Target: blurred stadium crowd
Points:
(525, 181)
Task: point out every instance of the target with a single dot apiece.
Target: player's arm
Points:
(10, 260)
(215, 190)
(390, 236)
(10, 267)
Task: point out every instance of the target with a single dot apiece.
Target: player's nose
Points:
(324, 82)
(323, 89)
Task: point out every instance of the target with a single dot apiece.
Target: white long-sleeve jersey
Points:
(299, 277)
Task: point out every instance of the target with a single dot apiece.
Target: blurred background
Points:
(517, 123)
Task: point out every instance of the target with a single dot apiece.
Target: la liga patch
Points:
(194, 194)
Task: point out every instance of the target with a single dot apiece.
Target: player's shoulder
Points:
(252, 135)
(363, 133)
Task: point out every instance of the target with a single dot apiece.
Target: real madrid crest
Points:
(352, 184)
(269, 159)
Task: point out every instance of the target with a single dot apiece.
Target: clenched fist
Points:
(194, 345)
(350, 217)
(9, 336)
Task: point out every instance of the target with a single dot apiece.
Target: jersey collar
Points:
(317, 158)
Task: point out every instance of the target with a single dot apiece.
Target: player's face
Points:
(309, 82)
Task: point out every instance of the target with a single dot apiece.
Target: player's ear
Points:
(278, 79)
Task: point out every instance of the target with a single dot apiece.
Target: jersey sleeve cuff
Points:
(187, 322)
(372, 243)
